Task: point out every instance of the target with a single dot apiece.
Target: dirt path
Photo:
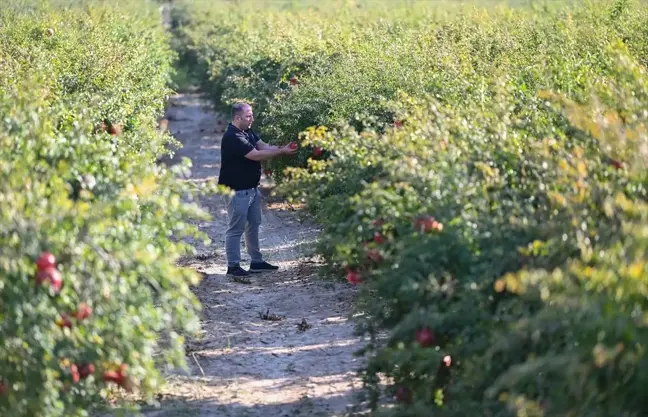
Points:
(243, 365)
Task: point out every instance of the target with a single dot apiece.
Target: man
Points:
(241, 153)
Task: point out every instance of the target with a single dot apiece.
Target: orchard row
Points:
(91, 300)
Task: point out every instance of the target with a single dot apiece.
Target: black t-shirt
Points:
(238, 172)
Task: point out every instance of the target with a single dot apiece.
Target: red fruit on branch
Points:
(64, 321)
(55, 279)
(86, 369)
(52, 276)
(353, 277)
(116, 376)
(397, 123)
(616, 164)
(425, 337)
(83, 312)
(317, 151)
(113, 376)
(74, 371)
(115, 129)
(293, 145)
(379, 238)
(46, 260)
(120, 378)
(447, 360)
(293, 80)
(426, 224)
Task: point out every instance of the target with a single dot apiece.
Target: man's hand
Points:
(289, 149)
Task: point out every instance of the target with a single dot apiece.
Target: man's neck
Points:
(238, 127)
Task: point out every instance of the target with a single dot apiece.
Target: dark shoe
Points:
(262, 267)
(237, 271)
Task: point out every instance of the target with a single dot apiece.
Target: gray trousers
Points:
(244, 212)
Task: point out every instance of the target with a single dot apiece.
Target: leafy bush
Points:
(521, 286)
(90, 226)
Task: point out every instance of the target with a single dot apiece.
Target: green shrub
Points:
(530, 209)
(80, 91)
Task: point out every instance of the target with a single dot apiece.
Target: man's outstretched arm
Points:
(262, 146)
(264, 154)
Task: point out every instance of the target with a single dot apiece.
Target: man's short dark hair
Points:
(239, 108)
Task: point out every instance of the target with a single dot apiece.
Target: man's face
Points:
(246, 119)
